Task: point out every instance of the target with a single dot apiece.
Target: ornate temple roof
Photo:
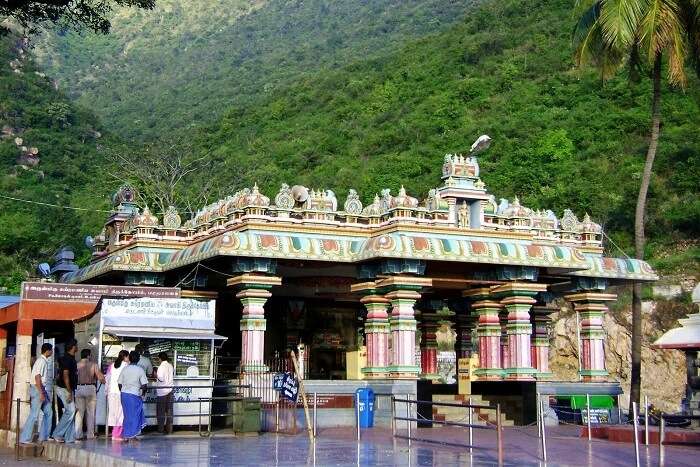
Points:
(458, 222)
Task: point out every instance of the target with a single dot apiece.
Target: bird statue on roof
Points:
(481, 144)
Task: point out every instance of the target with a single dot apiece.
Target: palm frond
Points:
(690, 14)
(591, 48)
(620, 19)
(662, 30)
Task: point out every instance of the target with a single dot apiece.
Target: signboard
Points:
(290, 387)
(163, 313)
(160, 346)
(187, 360)
(187, 346)
(57, 292)
(333, 401)
(597, 416)
(278, 381)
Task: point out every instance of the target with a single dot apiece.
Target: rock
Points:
(667, 366)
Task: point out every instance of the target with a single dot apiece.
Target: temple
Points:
(301, 268)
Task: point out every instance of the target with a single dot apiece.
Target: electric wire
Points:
(60, 206)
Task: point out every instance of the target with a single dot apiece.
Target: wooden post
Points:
(309, 428)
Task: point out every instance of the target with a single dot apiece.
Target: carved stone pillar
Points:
(376, 330)
(488, 331)
(465, 326)
(591, 307)
(253, 292)
(505, 355)
(403, 292)
(428, 345)
(517, 297)
(540, 340)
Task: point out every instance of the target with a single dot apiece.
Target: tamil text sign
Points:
(57, 292)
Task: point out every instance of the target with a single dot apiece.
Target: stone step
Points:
(448, 413)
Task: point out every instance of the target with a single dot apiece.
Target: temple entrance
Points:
(324, 330)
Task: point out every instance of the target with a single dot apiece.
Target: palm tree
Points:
(613, 34)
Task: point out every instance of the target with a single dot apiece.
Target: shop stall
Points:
(182, 328)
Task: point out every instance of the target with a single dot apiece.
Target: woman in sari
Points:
(132, 384)
(114, 401)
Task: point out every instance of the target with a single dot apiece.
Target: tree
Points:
(78, 14)
(166, 173)
(640, 34)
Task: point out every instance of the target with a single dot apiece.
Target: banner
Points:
(164, 313)
(57, 292)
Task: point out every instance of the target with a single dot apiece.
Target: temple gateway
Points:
(300, 269)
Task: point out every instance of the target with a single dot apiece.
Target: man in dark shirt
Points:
(66, 383)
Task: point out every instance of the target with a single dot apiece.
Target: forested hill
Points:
(185, 62)
(561, 138)
(49, 153)
(360, 116)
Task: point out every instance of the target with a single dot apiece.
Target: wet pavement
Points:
(339, 447)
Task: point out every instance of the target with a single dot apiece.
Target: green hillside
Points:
(185, 62)
(358, 116)
(561, 138)
(34, 117)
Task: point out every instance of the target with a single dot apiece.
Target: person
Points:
(115, 417)
(86, 394)
(132, 384)
(144, 360)
(164, 404)
(40, 400)
(66, 383)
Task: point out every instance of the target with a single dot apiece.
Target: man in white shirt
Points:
(40, 399)
(164, 405)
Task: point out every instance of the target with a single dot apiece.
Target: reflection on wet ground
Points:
(339, 447)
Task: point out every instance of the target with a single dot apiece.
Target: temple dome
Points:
(145, 219)
(255, 199)
(403, 200)
(374, 209)
(515, 209)
(587, 225)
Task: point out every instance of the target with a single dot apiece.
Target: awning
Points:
(163, 334)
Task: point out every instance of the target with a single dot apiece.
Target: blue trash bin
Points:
(365, 398)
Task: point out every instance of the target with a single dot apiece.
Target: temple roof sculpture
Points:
(458, 221)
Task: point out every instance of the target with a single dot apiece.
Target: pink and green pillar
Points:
(591, 307)
(253, 290)
(518, 298)
(541, 318)
(376, 330)
(488, 332)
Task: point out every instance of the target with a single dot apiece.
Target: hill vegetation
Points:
(287, 105)
(185, 62)
(561, 137)
(49, 154)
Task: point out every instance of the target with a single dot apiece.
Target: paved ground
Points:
(7, 458)
(338, 447)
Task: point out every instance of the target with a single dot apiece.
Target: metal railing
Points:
(470, 425)
(662, 428)
(198, 401)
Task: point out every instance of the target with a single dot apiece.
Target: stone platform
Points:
(625, 434)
